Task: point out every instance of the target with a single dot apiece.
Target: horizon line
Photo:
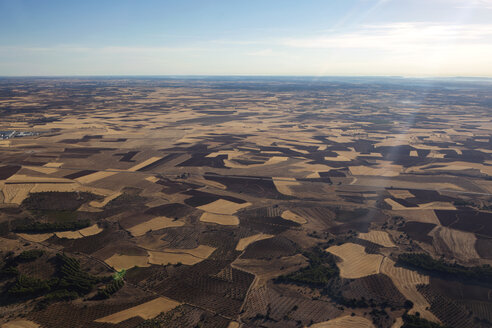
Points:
(248, 75)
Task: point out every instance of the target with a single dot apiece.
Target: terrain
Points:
(245, 202)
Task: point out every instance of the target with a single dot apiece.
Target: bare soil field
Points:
(345, 322)
(378, 237)
(146, 310)
(244, 242)
(154, 224)
(356, 263)
(20, 324)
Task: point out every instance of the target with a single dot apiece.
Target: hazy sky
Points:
(246, 37)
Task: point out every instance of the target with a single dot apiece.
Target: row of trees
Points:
(45, 227)
(425, 262)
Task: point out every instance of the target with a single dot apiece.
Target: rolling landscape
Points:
(245, 202)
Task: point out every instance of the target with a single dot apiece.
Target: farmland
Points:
(219, 202)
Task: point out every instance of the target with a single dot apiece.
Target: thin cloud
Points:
(400, 35)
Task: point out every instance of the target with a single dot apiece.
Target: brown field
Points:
(90, 231)
(20, 324)
(119, 262)
(268, 269)
(90, 178)
(233, 324)
(147, 310)
(154, 224)
(222, 219)
(461, 243)
(244, 242)
(223, 206)
(35, 237)
(403, 194)
(356, 263)
(345, 322)
(378, 237)
(144, 164)
(283, 185)
(16, 193)
(398, 323)
(106, 200)
(69, 234)
(424, 216)
(289, 215)
(185, 256)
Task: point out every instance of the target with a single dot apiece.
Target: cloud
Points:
(398, 36)
(478, 4)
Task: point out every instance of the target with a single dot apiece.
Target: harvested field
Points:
(159, 162)
(53, 164)
(154, 224)
(16, 193)
(386, 171)
(460, 243)
(147, 310)
(407, 281)
(93, 177)
(244, 242)
(69, 234)
(318, 218)
(35, 237)
(185, 256)
(223, 206)
(356, 263)
(423, 216)
(345, 322)
(222, 219)
(42, 169)
(144, 164)
(283, 185)
(79, 174)
(20, 324)
(289, 215)
(200, 198)
(23, 179)
(378, 237)
(90, 231)
(106, 200)
(120, 262)
(399, 193)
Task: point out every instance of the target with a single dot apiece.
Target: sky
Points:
(414, 38)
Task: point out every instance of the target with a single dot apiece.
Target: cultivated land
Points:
(246, 203)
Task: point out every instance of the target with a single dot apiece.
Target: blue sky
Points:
(248, 37)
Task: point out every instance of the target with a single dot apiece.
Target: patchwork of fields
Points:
(245, 203)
